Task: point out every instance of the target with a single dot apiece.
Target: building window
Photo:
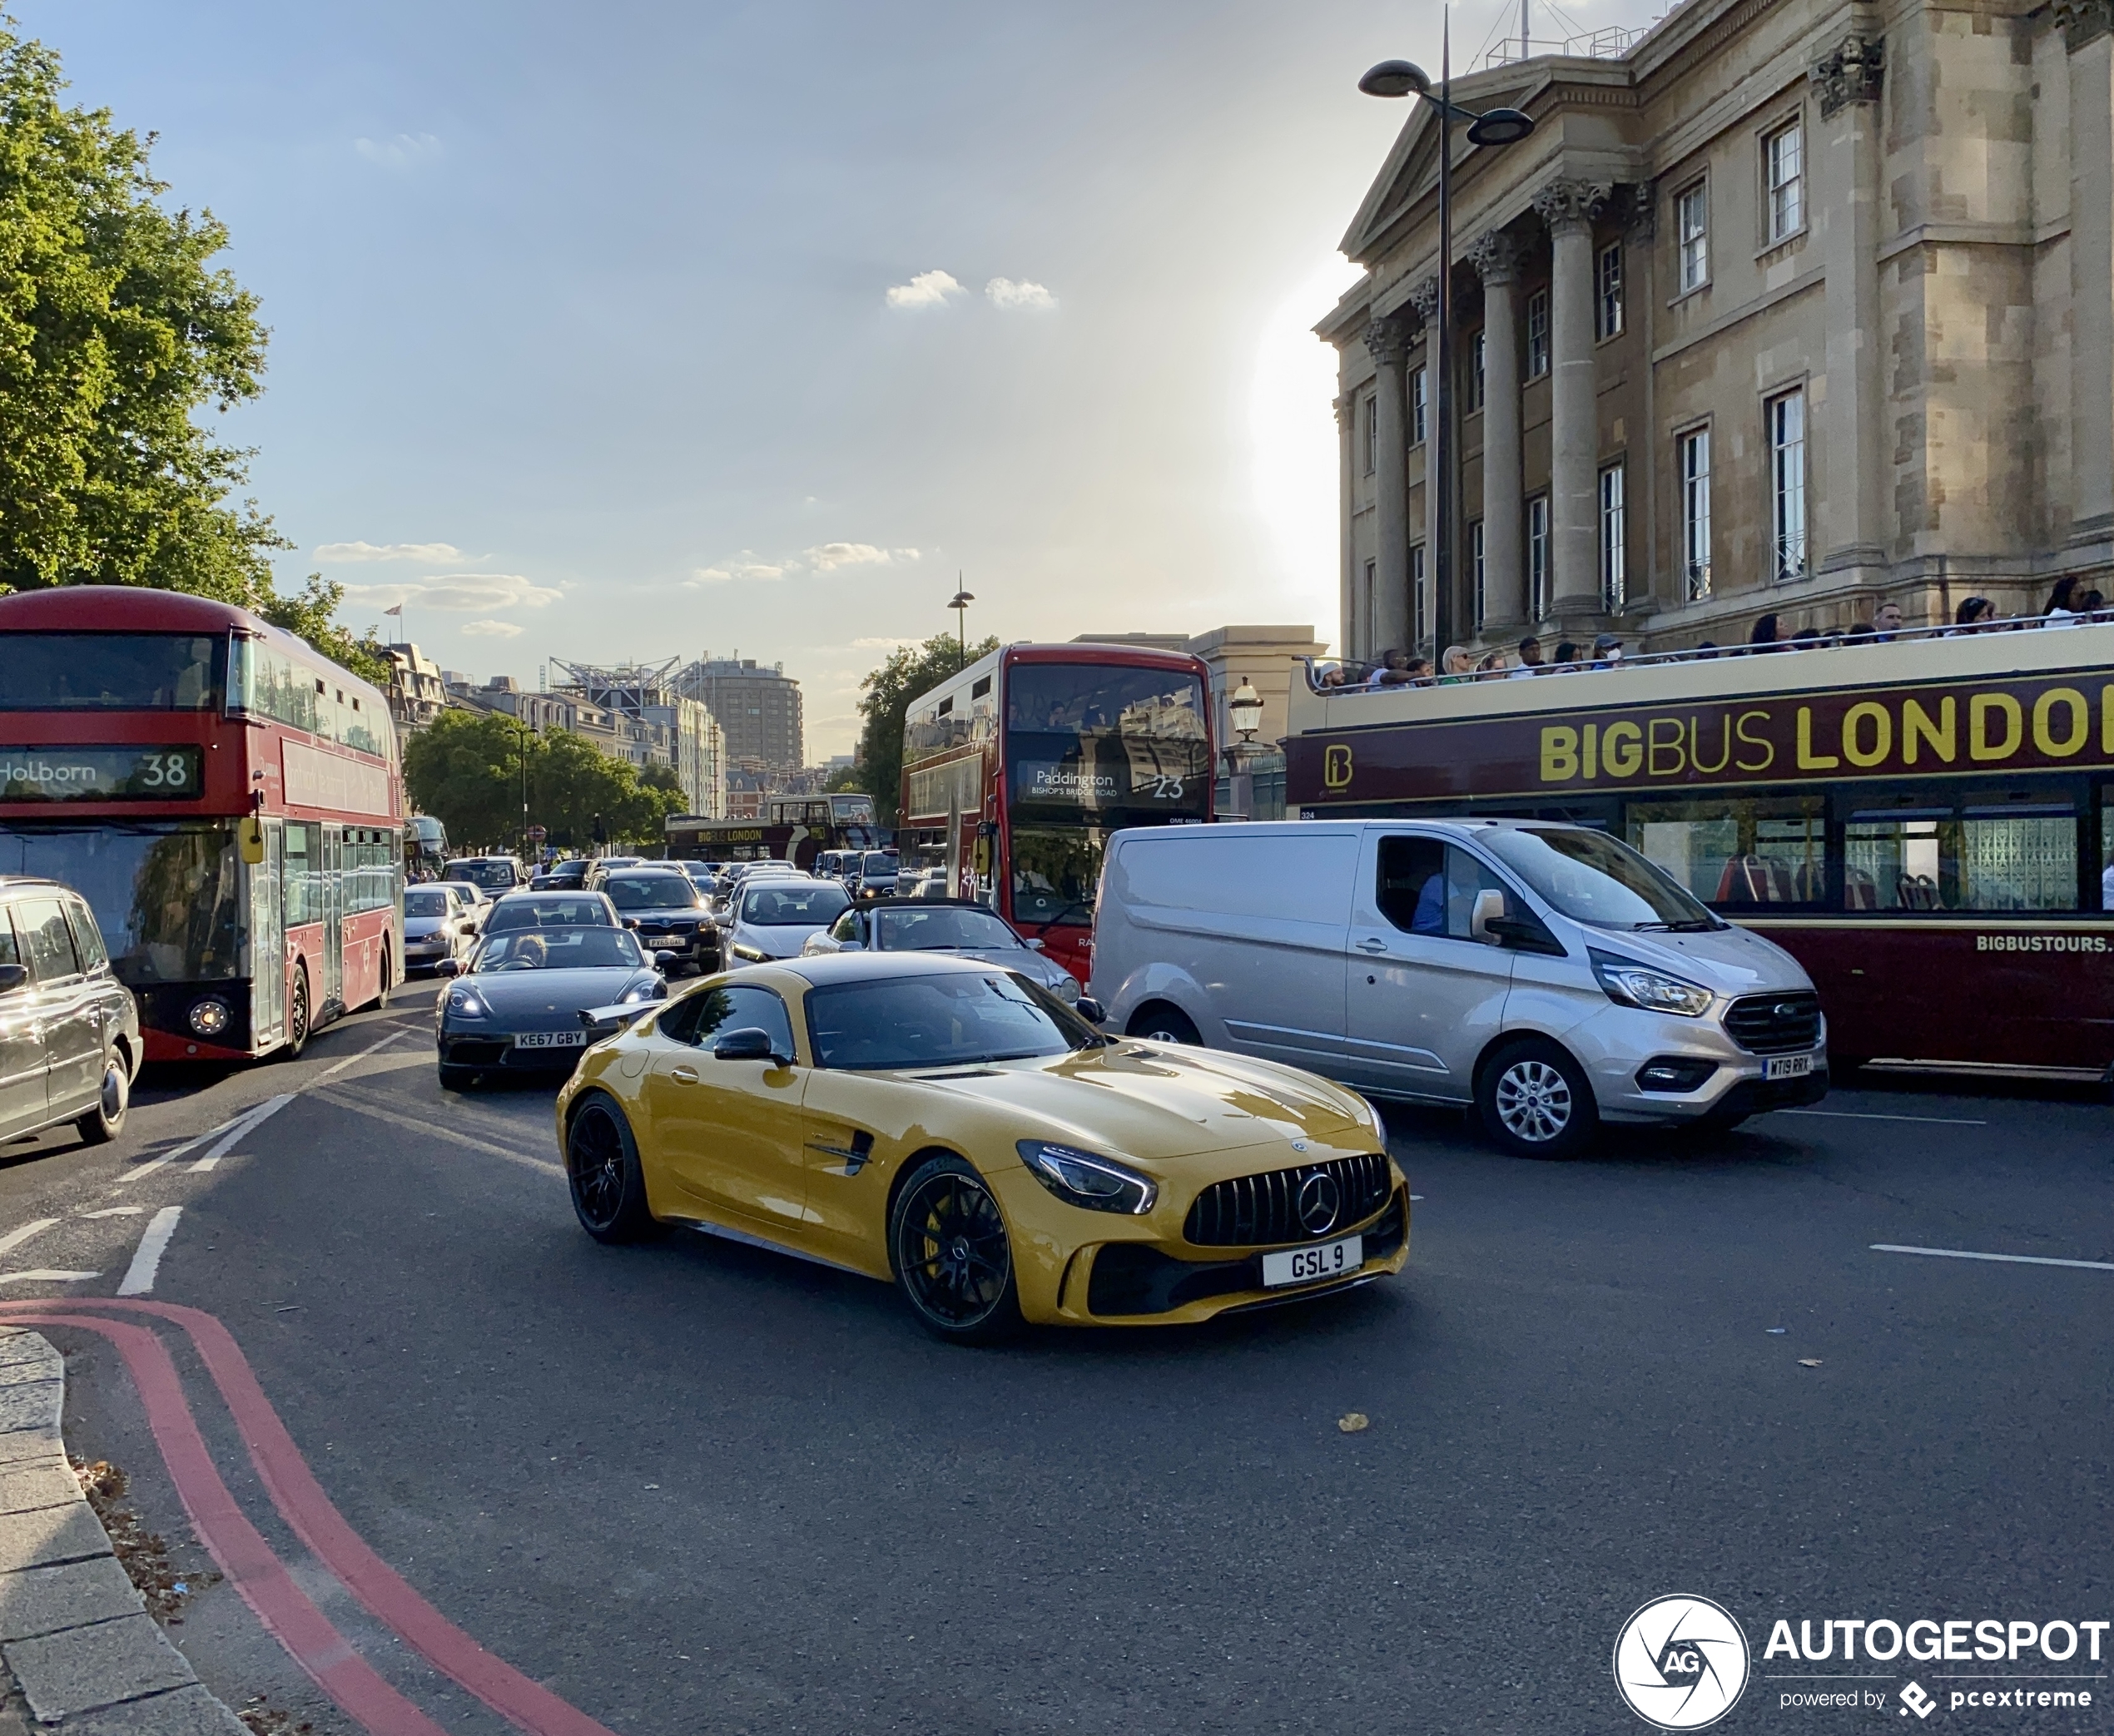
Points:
(1607, 303)
(1537, 335)
(1787, 185)
(1476, 566)
(1417, 399)
(1475, 374)
(1615, 566)
(1417, 594)
(1692, 223)
(1372, 435)
(1786, 418)
(1693, 453)
(1537, 557)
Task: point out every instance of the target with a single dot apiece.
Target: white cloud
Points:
(468, 593)
(1005, 293)
(880, 645)
(492, 629)
(928, 289)
(745, 566)
(403, 152)
(340, 553)
(830, 555)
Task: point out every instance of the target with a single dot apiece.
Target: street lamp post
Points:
(1244, 710)
(1493, 127)
(959, 605)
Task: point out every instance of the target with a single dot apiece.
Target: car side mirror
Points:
(1034, 945)
(1090, 1010)
(851, 946)
(448, 967)
(12, 977)
(751, 1043)
(1489, 907)
(662, 959)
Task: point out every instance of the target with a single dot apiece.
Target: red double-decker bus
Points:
(1016, 771)
(227, 800)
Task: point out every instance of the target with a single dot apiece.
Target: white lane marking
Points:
(174, 1151)
(116, 1211)
(249, 1124)
(1855, 1115)
(146, 1262)
(15, 1238)
(434, 1131)
(41, 1276)
(1961, 1253)
(332, 1071)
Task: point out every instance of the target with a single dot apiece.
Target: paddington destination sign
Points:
(1932, 729)
(98, 774)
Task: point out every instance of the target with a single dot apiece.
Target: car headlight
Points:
(743, 949)
(1066, 989)
(466, 1003)
(209, 1018)
(1079, 1179)
(1633, 985)
(635, 994)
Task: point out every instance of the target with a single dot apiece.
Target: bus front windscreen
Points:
(91, 672)
(1095, 742)
(167, 898)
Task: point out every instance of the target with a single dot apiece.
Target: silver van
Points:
(1547, 974)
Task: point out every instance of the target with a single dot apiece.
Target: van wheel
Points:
(1536, 1100)
(1157, 1022)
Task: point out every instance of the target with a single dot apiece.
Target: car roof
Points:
(670, 870)
(929, 903)
(25, 882)
(824, 968)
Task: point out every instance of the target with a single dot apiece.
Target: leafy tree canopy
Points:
(116, 329)
(467, 770)
(886, 695)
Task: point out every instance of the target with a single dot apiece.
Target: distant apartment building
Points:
(643, 704)
(758, 709)
(418, 693)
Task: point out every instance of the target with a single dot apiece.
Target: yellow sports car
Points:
(951, 1127)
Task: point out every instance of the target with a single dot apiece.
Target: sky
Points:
(668, 327)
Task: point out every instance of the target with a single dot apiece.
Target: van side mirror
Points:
(1489, 908)
(12, 977)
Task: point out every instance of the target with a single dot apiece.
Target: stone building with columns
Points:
(1796, 306)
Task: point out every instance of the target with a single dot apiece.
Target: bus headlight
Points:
(209, 1018)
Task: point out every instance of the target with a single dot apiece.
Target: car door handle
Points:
(683, 1075)
(1372, 945)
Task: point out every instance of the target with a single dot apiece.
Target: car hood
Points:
(553, 999)
(777, 939)
(1731, 961)
(1035, 966)
(1152, 1102)
(423, 928)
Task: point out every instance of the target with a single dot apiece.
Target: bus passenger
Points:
(1767, 636)
(1567, 658)
(1531, 663)
(1455, 665)
(1975, 615)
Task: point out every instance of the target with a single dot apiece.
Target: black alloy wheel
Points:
(601, 1168)
(102, 1124)
(296, 1020)
(947, 1242)
(1536, 1101)
(1157, 1022)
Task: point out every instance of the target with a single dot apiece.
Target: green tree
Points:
(117, 330)
(886, 695)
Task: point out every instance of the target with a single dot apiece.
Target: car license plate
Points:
(1787, 1067)
(1307, 1265)
(551, 1039)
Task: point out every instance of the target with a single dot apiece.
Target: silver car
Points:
(771, 916)
(957, 926)
(69, 1030)
(436, 925)
(1547, 975)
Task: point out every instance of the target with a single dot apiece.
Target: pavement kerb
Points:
(76, 1635)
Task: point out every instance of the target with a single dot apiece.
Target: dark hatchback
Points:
(664, 907)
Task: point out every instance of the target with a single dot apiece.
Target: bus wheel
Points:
(296, 1020)
(1157, 1022)
(1536, 1101)
(102, 1124)
(381, 994)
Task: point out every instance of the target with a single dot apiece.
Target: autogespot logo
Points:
(1680, 1663)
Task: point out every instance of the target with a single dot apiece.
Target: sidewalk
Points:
(76, 1634)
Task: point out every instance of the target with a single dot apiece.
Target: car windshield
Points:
(529, 911)
(946, 927)
(1592, 878)
(878, 861)
(651, 892)
(584, 949)
(471, 894)
(791, 903)
(425, 903)
(938, 1021)
(488, 874)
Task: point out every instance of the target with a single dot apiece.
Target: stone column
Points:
(2088, 33)
(1349, 643)
(1496, 260)
(1851, 455)
(1388, 339)
(1567, 207)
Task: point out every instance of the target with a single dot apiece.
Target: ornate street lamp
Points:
(960, 604)
(1245, 707)
(1491, 127)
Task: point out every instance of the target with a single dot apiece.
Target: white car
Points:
(438, 924)
(771, 916)
(475, 899)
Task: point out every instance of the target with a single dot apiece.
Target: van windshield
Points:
(1593, 879)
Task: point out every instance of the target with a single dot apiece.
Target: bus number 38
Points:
(164, 771)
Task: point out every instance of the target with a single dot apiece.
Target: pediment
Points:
(1411, 169)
